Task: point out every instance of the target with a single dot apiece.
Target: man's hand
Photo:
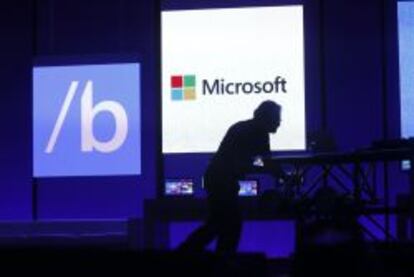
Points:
(258, 161)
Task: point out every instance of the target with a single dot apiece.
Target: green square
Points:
(189, 80)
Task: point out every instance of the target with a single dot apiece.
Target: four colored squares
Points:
(183, 87)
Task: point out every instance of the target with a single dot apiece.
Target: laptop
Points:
(179, 187)
(248, 188)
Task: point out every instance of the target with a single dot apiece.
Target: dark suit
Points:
(242, 143)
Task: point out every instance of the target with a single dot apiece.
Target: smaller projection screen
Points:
(406, 62)
(86, 120)
(218, 65)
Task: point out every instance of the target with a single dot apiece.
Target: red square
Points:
(177, 81)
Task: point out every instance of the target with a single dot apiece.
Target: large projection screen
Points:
(218, 65)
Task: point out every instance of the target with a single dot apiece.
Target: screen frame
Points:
(309, 67)
(79, 60)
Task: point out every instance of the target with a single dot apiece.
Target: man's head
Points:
(267, 115)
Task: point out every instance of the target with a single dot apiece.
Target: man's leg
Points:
(199, 238)
(229, 228)
(206, 233)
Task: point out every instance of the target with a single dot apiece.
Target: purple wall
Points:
(353, 71)
(15, 111)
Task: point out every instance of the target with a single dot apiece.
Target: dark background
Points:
(351, 82)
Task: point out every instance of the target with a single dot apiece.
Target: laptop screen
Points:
(248, 188)
(177, 187)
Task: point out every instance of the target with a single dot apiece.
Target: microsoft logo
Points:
(183, 87)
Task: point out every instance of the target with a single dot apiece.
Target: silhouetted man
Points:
(242, 144)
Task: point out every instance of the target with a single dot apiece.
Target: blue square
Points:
(86, 120)
(177, 94)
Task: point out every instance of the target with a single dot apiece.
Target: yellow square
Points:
(189, 94)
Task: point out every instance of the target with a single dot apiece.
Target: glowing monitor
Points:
(218, 65)
(248, 188)
(178, 187)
